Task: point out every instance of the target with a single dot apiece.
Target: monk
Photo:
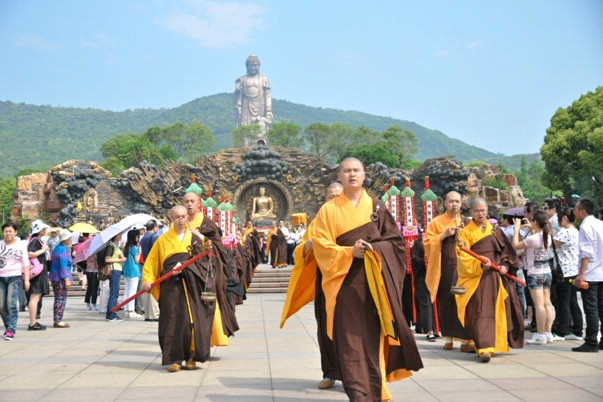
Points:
(252, 251)
(225, 321)
(305, 285)
(277, 245)
(360, 253)
(440, 248)
(185, 321)
(489, 309)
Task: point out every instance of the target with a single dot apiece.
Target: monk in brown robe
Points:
(277, 244)
(225, 321)
(185, 322)
(489, 309)
(363, 289)
(440, 248)
(252, 252)
(305, 285)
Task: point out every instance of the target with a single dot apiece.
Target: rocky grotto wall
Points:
(296, 180)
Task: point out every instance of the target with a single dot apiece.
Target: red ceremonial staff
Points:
(484, 260)
(163, 278)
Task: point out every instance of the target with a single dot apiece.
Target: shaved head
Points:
(350, 159)
(333, 190)
(452, 194)
(477, 201)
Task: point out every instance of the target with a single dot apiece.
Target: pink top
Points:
(12, 258)
(537, 257)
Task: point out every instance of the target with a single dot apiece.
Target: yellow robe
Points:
(166, 245)
(302, 284)
(433, 251)
(469, 274)
(218, 337)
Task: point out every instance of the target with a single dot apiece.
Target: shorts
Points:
(539, 282)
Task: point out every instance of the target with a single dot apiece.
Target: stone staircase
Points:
(265, 280)
(270, 280)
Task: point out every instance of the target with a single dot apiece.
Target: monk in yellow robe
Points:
(440, 248)
(489, 309)
(305, 285)
(225, 322)
(185, 321)
(276, 246)
(360, 253)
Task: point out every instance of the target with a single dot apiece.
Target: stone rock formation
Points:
(295, 179)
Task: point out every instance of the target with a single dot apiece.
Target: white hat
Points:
(64, 234)
(37, 226)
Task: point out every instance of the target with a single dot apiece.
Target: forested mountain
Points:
(43, 136)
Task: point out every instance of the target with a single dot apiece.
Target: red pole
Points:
(496, 267)
(162, 279)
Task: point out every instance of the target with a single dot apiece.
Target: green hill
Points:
(43, 136)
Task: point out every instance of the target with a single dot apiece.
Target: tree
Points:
(285, 134)
(127, 150)
(573, 147)
(317, 135)
(400, 142)
(188, 141)
(341, 138)
(374, 153)
(245, 135)
(529, 179)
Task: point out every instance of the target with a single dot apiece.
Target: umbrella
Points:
(82, 250)
(518, 211)
(82, 227)
(120, 227)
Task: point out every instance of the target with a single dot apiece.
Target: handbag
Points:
(104, 272)
(35, 266)
(556, 270)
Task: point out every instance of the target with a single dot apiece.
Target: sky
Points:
(489, 73)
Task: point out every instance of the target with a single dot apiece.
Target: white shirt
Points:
(590, 243)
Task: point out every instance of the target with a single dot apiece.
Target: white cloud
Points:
(37, 42)
(217, 24)
(475, 44)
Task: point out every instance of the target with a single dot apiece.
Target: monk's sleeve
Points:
(332, 259)
(433, 251)
(468, 266)
(152, 267)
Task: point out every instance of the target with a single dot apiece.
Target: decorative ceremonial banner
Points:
(209, 207)
(429, 204)
(410, 232)
(225, 221)
(391, 198)
(429, 212)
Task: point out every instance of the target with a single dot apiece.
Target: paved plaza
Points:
(106, 361)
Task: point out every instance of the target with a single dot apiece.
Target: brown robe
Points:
(220, 264)
(278, 250)
(480, 313)
(448, 318)
(357, 346)
(328, 357)
(175, 331)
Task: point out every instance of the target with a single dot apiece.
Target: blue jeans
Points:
(113, 292)
(9, 301)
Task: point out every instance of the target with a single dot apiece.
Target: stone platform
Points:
(95, 360)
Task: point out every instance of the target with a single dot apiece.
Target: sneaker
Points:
(537, 339)
(549, 337)
(572, 337)
(115, 319)
(583, 348)
(134, 314)
(430, 338)
(8, 336)
(36, 327)
(95, 308)
(558, 338)
(89, 308)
